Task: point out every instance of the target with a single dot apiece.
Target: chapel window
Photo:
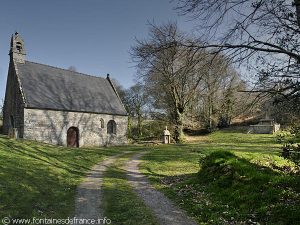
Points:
(102, 123)
(111, 127)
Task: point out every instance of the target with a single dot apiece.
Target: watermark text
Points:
(69, 220)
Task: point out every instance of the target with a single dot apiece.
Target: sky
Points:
(95, 36)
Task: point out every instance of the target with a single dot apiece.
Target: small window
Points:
(102, 123)
(111, 127)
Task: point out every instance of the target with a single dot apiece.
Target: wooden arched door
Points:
(73, 137)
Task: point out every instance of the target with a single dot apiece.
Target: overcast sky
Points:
(93, 35)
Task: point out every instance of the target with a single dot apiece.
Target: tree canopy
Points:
(262, 32)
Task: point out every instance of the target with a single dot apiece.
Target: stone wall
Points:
(13, 103)
(264, 129)
(51, 126)
(261, 129)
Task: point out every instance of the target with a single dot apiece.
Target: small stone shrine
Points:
(265, 126)
(166, 136)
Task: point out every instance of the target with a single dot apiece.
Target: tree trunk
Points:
(297, 4)
(139, 125)
(178, 134)
(210, 110)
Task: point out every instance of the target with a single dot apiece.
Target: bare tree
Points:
(136, 100)
(212, 88)
(263, 32)
(233, 102)
(217, 100)
(172, 70)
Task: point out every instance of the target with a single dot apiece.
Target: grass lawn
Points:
(120, 203)
(228, 177)
(241, 179)
(39, 180)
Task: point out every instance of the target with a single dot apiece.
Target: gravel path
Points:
(164, 210)
(88, 197)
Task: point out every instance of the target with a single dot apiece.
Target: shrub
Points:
(290, 141)
(285, 137)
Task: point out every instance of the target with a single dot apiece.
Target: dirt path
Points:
(164, 210)
(88, 197)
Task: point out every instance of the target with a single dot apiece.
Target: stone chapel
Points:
(58, 106)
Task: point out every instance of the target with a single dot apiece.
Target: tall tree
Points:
(173, 70)
(136, 100)
(218, 96)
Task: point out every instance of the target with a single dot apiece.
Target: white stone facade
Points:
(51, 127)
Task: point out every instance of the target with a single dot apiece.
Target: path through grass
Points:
(121, 205)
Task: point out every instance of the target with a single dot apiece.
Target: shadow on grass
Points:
(231, 190)
(39, 180)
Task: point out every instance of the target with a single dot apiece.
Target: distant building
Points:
(59, 106)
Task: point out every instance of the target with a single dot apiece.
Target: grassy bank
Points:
(39, 180)
(240, 179)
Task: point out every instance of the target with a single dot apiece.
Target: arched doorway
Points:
(73, 137)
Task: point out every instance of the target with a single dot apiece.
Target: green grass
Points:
(240, 179)
(39, 180)
(120, 203)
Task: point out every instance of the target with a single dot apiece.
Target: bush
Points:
(290, 141)
(284, 137)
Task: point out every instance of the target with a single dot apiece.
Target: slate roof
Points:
(47, 87)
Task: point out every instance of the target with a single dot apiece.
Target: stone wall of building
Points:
(265, 126)
(13, 109)
(51, 126)
(261, 129)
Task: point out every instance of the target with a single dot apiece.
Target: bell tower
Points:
(17, 50)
